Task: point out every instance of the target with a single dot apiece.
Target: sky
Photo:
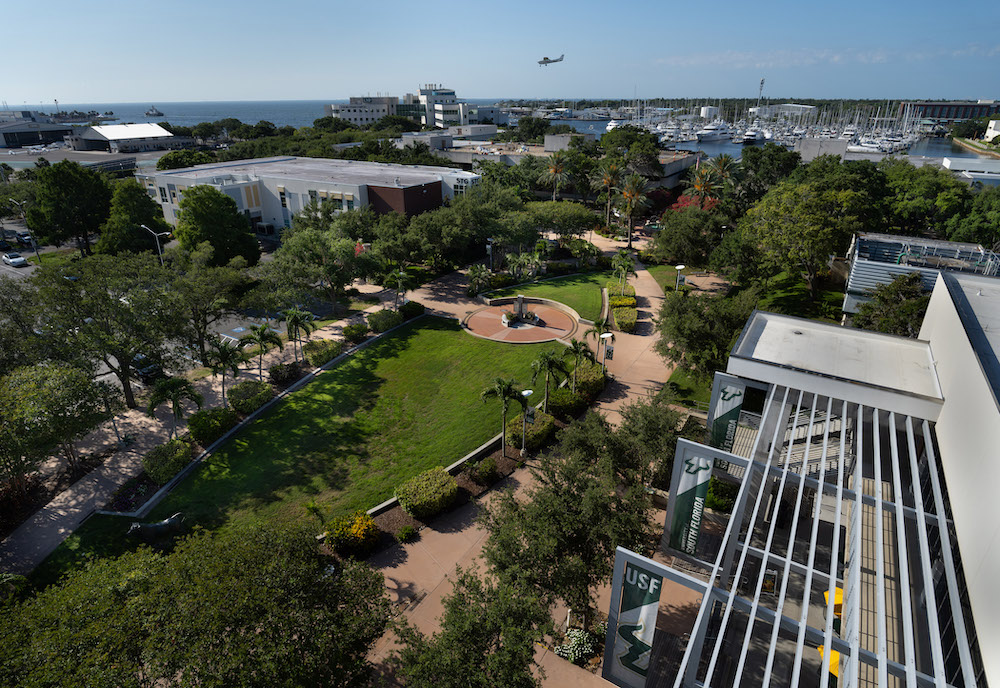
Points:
(141, 51)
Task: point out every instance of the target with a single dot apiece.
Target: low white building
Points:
(269, 191)
(709, 112)
(363, 110)
(126, 138)
(993, 130)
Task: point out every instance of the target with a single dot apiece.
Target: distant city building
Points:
(442, 108)
(709, 112)
(560, 142)
(269, 191)
(363, 110)
(488, 115)
(950, 110)
(861, 543)
(17, 134)
(126, 138)
(24, 116)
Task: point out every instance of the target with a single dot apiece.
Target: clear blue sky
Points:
(136, 51)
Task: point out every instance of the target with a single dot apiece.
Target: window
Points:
(313, 197)
(284, 199)
(163, 195)
(350, 204)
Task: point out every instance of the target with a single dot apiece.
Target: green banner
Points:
(689, 505)
(727, 415)
(636, 625)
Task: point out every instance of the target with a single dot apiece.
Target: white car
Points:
(15, 260)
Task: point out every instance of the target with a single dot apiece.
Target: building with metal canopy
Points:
(864, 545)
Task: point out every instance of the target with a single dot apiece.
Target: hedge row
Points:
(284, 374)
(427, 494)
(536, 434)
(566, 404)
(621, 301)
(246, 397)
(411, 309)
(164, 462)
(356, 333)
(384, 320)
(208, 425)
(625, 318)
(321, 351)
(590, 380)
(614, 288)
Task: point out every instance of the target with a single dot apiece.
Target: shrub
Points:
(555, 268)
(614, 288)
(651, 257)
(208, 425)
(625, 318)
(603, 262)
(427, 494)
(589, 380)
(356, 333)
(284, 374)
(411, 309)
(384, 320)
(162, 463)
(353, 535)
(565, 404)
(250, 395)
(536, 435)
(321, 351)
(580, 646)
(406, 534)
(621, 301)
(721, 495)
(500, 280)
(486, 471)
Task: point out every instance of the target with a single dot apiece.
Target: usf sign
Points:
(633, 639)
(688, 490)
(726, 412)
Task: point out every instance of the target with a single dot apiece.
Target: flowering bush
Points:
(580, 646)
(354, 535)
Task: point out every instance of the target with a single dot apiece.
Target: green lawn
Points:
(582, 293)
(406, 403)
(787, 293)
(689, 389)
(666, 276)
(61, 258)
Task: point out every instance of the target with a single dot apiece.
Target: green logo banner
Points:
(727, 415)
(636, 625)
(689, 495)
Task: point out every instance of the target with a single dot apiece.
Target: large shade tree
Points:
(131, 207)
(71, 203)
(209, 215)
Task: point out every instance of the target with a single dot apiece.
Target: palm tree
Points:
(263, 337)
(623, 265)
(600, 327)
(632, 199)
(607, 178)
(517, 263)
(725, 167)
(704, 185)
(479, 278)
(549, 363)
(577, 350)
(556, 171)
(298, 322)
(175, 391)
(400, 282)
(506, 391)
(224, 357)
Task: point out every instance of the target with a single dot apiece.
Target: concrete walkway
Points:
(35, 539)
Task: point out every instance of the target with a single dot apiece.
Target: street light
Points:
(677, 283)
(489, 252)
(524, 420)
(607, 337)
(24, 219)
(157, 236)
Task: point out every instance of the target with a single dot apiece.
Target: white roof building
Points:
(125, 138)
(864, 544)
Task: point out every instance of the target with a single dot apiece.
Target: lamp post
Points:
(489, 252)
(607, 337)
(24, 219)
(156, 236)
(524, 420)
(677, 283)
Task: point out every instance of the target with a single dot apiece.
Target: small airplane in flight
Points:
(546, 61)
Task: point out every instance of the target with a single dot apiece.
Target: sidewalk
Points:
(35, 539)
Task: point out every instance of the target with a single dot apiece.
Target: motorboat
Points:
(716, 131)
(153, 112)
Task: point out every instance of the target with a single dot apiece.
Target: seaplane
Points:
(546, 61)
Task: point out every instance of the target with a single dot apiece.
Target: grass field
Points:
(666, 276)
(582, 293)
(689, 389)
(406, 403)
(787, 293)
(60, 258)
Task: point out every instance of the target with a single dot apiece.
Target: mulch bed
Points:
(15, 509)
(133, 494)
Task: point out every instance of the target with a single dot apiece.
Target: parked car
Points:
(146, 369)
(24, 238)
(15, 260)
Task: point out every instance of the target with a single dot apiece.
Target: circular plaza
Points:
(548, 321)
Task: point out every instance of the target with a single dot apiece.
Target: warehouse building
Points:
(272, 190)
(126, 138)
(863, 545)
(29, 133)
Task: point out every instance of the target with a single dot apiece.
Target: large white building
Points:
(125, 138)
(269, 191)
(442, 108)
(363, 110)
(863, 548)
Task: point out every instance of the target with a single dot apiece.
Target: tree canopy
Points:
(71, 202)
(131, 207)
(179, 159)
(209, 215)
(895, 308)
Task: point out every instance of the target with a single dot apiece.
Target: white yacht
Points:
(613, 124)
(755, 134)
(716, 131)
